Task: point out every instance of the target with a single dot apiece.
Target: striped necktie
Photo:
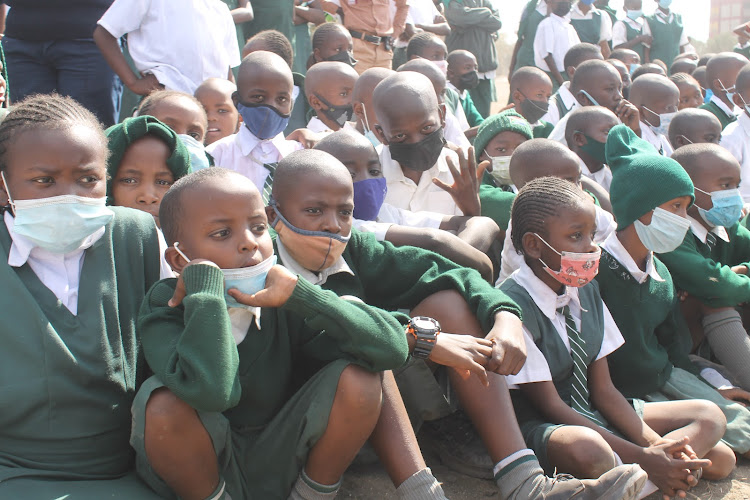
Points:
(711, 241)
(580, 392)
(268, 183)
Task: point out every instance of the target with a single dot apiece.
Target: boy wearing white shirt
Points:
(592, 25)
(328, 87)
(173, 45)
(264, 100)
(554, 37)
(657, 100)
(563, 101)
(721, 76)
(736, 136)
(586, 134)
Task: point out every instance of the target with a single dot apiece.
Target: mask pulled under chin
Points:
(313, 250)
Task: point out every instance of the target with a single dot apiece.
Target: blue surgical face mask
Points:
(198, 158)
(726, 210)
(665, 233)
(369, 195)
(248, 280)
(664, 120)
(635, 14)
(593, 101)
(709, 95)
(633, 68)
(262, 120)
(729, 92)
(59, 224)
(664, 4)
(369, 134)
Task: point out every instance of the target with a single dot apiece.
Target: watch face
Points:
(423, 323)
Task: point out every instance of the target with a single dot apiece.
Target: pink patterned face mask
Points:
(576, 269)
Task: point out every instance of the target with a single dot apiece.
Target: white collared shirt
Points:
(700, 231)
(510, 260)
(420, 12)
(316, 125)
(246, 154)
(666, 19)
(605, 30)
(659, 142)
(554, 36)
(390, 215)
(536, 368)
(460, 114)
(453, 132)
(570, 102)
(614, 246)
(558, 133)
(181, 43)
(736, 139)
(61, 273)
(340, 266)
(620, 31)
(241, 318)
(425, 195)
(603, 177)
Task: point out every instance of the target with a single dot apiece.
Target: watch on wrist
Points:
(425, 330)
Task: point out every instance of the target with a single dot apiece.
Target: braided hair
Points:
(419, 42)
(150, 101)
(320, 36)
(274, 41)
(536, 202)
(45, 112)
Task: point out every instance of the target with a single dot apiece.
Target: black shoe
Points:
(458, 445)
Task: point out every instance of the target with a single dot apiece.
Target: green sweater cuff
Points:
(203, 278)
(307, 299)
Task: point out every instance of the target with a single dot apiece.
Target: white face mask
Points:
(500, 170)
(665, 233)
(443, 65)
(59, 224)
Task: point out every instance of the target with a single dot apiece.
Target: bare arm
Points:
(110, 49)
(439, 26)
(243, 13)
(399, 18)
(635, 41)
(479, 232)
(513, 59)
(310, 14)
(550, 60)
(604, 45)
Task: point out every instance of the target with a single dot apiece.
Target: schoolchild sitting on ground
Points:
(74, 275)
(690, 90)
(721, 74)
(694, 126)
(657, 100)
(496, 141)
(711, 262)
(328, 88)
(279, 398)
(310, 210)
(464, 240)
(530, 91)
(364, 111)
(586, 134)
(627, 81)
(563, 101)
(736, 136)
(331, 42)
(570, 412)
(637, 288)
(215, 95)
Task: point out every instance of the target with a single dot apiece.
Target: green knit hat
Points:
(507, 121)
(122, 135)
(642, 179)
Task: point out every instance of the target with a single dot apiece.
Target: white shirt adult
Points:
(420, 12)
(182, 43)
(736, 139)
(554, 36)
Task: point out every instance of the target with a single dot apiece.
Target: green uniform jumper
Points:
(589, 30)
(745, 51)
(272, 15)
(665, 45)
(653, 363)
(266, 401)
(724, 119)
(638, 48)
(474, 25)
(526, 33)
(543, 129)
(67, 381)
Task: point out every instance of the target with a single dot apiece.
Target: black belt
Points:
(377, 40)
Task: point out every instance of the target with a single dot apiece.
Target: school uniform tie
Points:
(580, 392)
(711, 241)
(268, 184)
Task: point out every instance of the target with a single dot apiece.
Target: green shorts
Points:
(426, 393)
(256, 462)
(127, 487)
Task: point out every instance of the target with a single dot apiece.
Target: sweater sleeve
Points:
(401, 277)
(351, 329)
(472, 115)
(191, 347)
(462, 17)
(713, 283)
(673, 334)
(739, 246)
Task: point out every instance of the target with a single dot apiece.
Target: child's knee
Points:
(166, 413)
(452, 312)
(710, 418)
(587, 455)
(360, 390)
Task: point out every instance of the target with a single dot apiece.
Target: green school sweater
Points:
(474, 24)
(192, 350)
(649, 318)
(719, 113)
(496, 202)
(543, 130)
(530, 20)
(707, 274)
(67, 381)
(665, 45)
(392, 278)
(472, 115)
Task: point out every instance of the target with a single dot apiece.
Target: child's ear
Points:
(570, 70)
(315, 102)
(532, 246)
(517, 97)
(316, 55)
(358, 110)
(442, 110)
(174, 259)
(235, 98)
(380, 134)
(270, 214)
(579, 139)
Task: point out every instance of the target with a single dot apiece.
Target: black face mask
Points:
(419, 156)
(533, 110)
(345, 57)
(626, 92)
(338, 114)
(468, 81)
(562, 9)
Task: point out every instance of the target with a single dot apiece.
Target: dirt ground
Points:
(371, 482)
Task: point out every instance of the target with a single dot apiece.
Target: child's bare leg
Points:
(703, 422)
(178, 447)
(579, 451)
(354, 414)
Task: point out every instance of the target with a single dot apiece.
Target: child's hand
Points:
(306, 137)
(463, 353)
(179, 291)
(736, 394)
(509, 345)
(145, 85)
(466, 180)
(742, 269)
(280, 284)
(629, 115)
(672, 475)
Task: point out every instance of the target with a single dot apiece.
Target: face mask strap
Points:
(550, 246)
(691, 142)
(176, 247)
(588, 96)
(7, 191)
(303, 232)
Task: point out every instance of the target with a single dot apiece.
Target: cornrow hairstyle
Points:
(682, 78)
(319, 37)
(275, 41)
(419, 42)
(538, 201)
(45, 112)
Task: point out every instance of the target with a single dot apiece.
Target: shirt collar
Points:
(240, 318)
(316, 125)
(615, 248)
(700, 231)
(541, 7)
(662, 17)
(567, 96)
(577, 9)
(634, 23)
(461, 94)
(560, 20)
(247, 142)
(22, 248)
(543, 296)
(722, 106)
(340, 266)
(392, 169)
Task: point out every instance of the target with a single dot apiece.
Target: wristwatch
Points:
(425, 330)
